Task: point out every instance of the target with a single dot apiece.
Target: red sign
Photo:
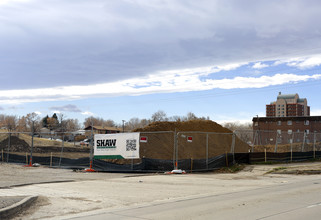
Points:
(189, 139)
(143, 139)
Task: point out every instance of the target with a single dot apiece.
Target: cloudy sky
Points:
(119, 59)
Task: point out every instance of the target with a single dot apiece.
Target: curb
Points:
(10, 211)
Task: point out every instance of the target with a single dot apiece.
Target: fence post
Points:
(265, 155)
(226, 158)
(176, 153)
(8, 147)
(314, 140)
(233, 147)
(303, 141)
(62, 148)
(51, 159)
(2, 154)
(276, 142)
(33, 133)
(207, 151)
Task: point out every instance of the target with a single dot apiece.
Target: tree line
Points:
(59, 122)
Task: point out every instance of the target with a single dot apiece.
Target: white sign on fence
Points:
(116, 146)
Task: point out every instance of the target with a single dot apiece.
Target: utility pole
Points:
(123, 125)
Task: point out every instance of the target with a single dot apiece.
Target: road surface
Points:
(299, 200)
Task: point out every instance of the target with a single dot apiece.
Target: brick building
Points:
(288, 105)
(286, 129)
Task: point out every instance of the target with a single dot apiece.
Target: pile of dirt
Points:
(192, 125)
(160, 142)
(16, 145)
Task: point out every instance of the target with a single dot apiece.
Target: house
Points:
(101, 130)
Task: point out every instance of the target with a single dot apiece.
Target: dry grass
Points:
(43, 141)
(36, 141)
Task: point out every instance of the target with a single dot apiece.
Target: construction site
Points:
(194, 145)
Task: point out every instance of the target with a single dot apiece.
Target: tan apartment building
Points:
(288, 105)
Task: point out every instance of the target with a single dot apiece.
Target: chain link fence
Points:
(164, 150)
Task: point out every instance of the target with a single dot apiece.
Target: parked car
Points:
(85, 142)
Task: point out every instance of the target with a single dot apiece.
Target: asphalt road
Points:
(298, 200)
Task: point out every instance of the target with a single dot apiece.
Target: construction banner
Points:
(116, 146)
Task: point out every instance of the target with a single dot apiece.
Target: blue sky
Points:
(120, 59)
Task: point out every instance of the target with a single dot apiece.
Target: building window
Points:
(256, 124)
(279, 131)
(289, 131)
(307, 131)
(306, 122)
(279, 122)
(289, 122)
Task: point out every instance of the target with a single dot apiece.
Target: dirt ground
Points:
(65, 194)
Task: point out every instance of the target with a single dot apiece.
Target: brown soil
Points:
(192, 125)
(16, 145)
(160, 145)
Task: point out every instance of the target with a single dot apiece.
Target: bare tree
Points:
(242, 130)
(191, 116)
(62, 122)
(22, 124)
(72, 125)
(98, 122)
(159, 116)
(11, 122)
(33, 121)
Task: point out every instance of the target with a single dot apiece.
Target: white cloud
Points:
(315, 112)
(301, 62)
(162, 82)
(38, 113)
(88, 113)
(259, 65)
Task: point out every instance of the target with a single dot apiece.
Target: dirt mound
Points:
(192, 125)
(160, 144)
(16, 145)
